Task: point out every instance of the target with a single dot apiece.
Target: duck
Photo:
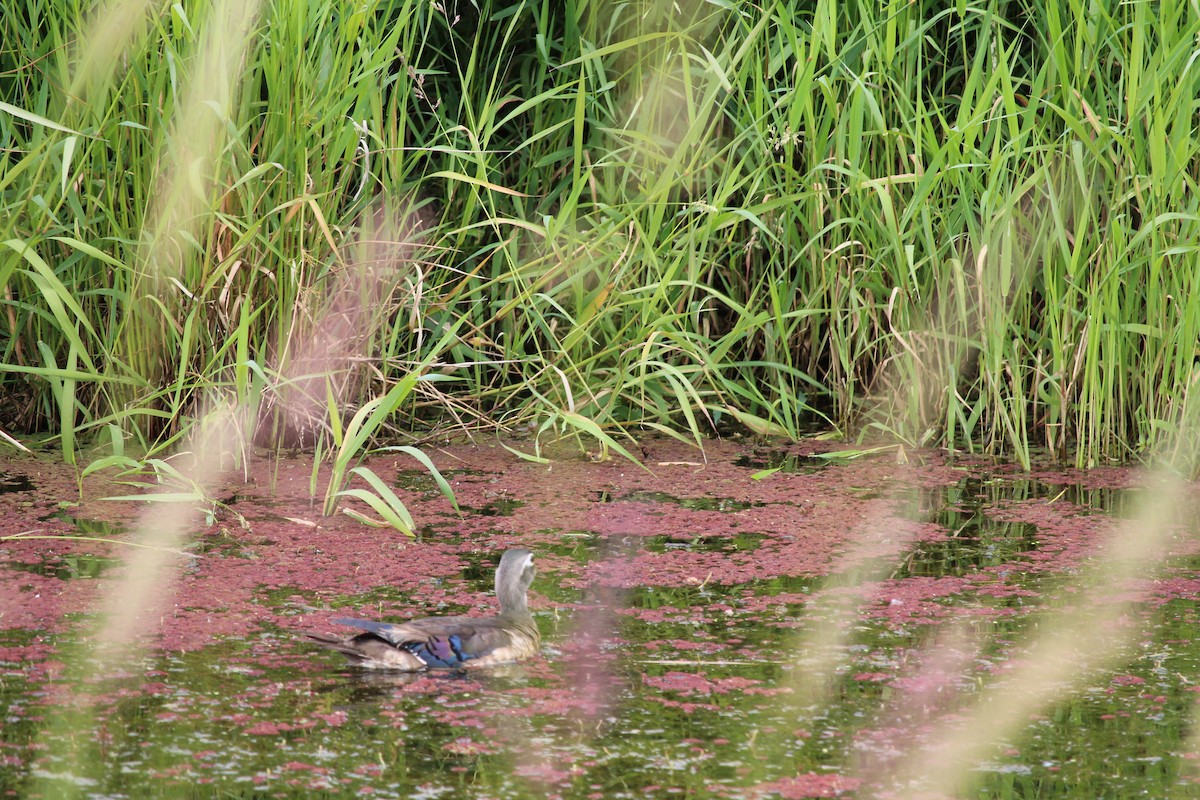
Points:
(450, 642)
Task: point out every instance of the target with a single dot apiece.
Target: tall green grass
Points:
(963, 225)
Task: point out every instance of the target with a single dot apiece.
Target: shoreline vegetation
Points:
(968, 227)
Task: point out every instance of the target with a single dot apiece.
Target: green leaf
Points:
(525, 456)
(443, 486)
(29, 116)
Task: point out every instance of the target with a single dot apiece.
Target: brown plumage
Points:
(451, 642)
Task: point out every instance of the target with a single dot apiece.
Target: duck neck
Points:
(513, 600)
(513, 604)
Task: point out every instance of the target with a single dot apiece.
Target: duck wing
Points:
(449, 642)
(370, 651)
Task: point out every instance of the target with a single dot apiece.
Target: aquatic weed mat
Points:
(674, 603)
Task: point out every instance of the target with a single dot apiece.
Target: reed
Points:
(968, 226)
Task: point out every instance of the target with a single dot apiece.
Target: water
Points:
(678, 613)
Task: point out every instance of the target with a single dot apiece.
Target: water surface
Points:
(680, 611)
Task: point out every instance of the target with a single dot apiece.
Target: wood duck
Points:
(451, 642)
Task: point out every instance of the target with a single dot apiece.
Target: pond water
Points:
(687, 612)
